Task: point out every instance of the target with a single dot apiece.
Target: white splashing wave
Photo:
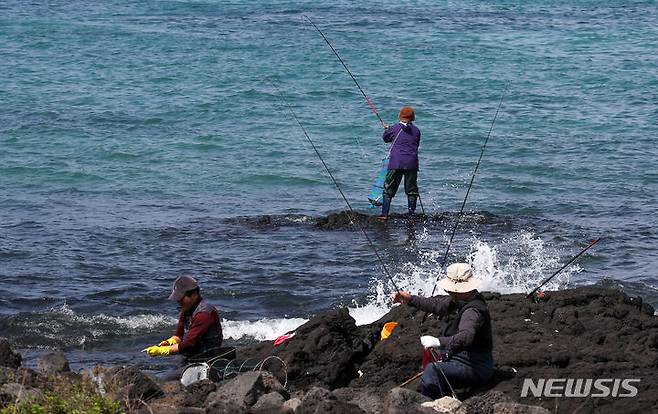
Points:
(261, 330)
(131, 323)
(528, 261)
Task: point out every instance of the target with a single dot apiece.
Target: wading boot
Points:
(411, 206)
(386, 206)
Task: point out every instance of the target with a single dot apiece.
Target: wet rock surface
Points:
(332, 365)
(345, 220)
(513, 408)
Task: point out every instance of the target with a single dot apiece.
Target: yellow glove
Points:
(171, 341)
(155, 350)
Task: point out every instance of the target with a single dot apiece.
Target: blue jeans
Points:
(465, 369)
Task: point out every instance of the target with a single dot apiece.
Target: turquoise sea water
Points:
(136, 136)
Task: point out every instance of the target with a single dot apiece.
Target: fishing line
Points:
(283, 365)
(422, 208)
(468, 191)
(363, 152)
(348, 71)
(360, 89)
(438, 366)
(349, 206)
(353, 215)
(333, 179)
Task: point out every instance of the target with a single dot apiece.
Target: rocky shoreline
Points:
(331, 365)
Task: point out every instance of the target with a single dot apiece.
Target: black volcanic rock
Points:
(325, 351)
(588, 332)
(335, 366)
(8, 358)
(130, 386)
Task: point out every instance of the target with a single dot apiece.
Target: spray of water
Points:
(514, 265)
(261, 330)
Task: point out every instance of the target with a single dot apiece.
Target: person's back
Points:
(404, 152)
(464, 346)
(466, 336)
(403, 161)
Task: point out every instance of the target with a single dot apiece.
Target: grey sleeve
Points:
(470, 322)
(438, 305)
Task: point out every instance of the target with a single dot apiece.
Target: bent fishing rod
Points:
(360, 89)
(348, 71)
(349, 206)
(353, 218)
(573, 259)
(468, 191)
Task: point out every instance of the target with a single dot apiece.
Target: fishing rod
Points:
(357, 85)
(422, 208)
(349, 206)
(461, 211)
(348, 71)
(573, 259)
(353, 217)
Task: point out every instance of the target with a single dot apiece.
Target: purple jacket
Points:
(404, 154)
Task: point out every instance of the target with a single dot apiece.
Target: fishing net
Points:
(221, 369)
(376, 196)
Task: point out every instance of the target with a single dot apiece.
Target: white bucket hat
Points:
(459, 279)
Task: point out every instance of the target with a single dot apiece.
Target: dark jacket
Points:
(404, 152)
(201, 333)
(464, 325)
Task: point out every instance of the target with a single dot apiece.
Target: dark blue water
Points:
(139, 141)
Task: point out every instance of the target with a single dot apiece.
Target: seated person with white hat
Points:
(464, 344)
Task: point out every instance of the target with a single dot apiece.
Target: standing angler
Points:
(405, 139)
(465, 342)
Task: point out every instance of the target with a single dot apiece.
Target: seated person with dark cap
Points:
(199, 318)
(463, 349)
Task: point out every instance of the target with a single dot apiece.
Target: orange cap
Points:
(407, 114)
